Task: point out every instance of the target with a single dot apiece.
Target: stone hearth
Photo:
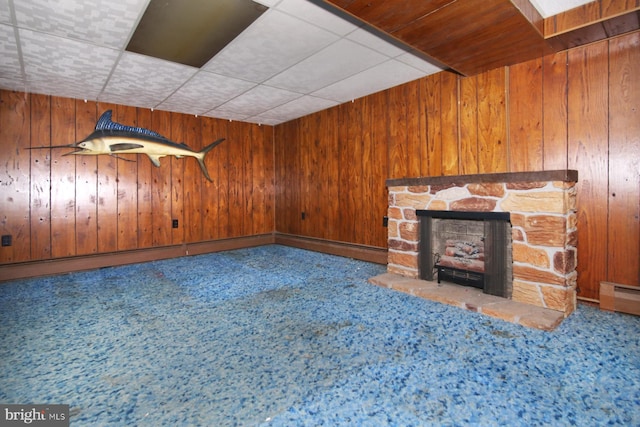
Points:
(542, 207)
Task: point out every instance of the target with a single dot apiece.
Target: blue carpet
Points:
(278, 336)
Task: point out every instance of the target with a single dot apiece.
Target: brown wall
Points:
(60, 206)
(578, 109)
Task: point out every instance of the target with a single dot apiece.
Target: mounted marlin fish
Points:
(114, 138)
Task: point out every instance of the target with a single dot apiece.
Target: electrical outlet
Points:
(174, 223)
(7, 240)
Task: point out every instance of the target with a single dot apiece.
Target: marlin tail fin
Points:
(203, 153)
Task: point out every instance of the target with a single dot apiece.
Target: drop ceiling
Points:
(298, 57)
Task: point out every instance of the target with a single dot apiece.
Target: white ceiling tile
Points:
(5, 12)
(383, 76)
(268, 3)
(336, 62)
(104, 22)
(10, 63)
(298, 107)
(262, 121)
(319, 14)
(553, 7)
(204, 92)
(221, 113)
(273, 43)
(11, 83)
(75, 48)
(427, 66)
(52, 61)
(258, 100)
(372, 39)
(146, 80)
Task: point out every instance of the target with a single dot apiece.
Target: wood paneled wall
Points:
(63, 206)
(578, 109)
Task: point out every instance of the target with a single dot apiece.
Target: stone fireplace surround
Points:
(542, 207)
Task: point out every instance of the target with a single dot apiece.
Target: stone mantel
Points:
(564, 175)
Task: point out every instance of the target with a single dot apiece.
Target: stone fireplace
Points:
(541, 211)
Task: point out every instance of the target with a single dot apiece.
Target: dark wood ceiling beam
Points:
(598, 20)
(468, 36)
(472, 36)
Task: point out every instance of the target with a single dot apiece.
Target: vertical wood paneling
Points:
(449, 124)
(178, 134)
(212, 129)
(468, 115)
(398, 145)
(144, 187)
(63, 173)
(247, 178)
(223, 154)
(414, 135)
(14, 175)
(86, 183)
(107, 196)
(193, 187)
(350, 169)
(423, 127)
(236, 184)
(315, 222)
(554, 111)
(268, 159)
(525, 116)
(354, 149)
(624, 165)
(379, 166)
(588, 153)
(367, 224)
(77, 205)
(161, 184)
(307, 178)
(329, 140)
(261, 185)
(285, 159)
(40, 206)
(342, 171)
(127, 187)
(492, 121)
(433, 123)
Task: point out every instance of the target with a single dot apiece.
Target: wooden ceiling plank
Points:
(387, 16)
(473, 36)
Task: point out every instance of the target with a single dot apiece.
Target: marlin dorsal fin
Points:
(105, 123)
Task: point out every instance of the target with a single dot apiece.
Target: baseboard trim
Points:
(350, 250)
(620, 298)
(91, 262)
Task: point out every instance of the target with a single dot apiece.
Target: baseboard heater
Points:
(621, 298)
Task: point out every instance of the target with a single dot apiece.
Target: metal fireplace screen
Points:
(467, 248)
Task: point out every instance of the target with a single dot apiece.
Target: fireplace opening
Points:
(467, 248)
